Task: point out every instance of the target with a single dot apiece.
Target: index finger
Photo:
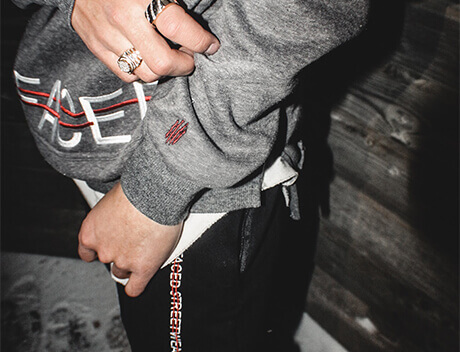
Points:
(155, 51)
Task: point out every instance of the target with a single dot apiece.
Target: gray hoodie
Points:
(197, 143)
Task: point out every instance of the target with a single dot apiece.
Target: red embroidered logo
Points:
(176, 132)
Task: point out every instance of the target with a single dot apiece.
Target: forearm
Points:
(231, 102)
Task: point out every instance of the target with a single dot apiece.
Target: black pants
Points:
(240, 287)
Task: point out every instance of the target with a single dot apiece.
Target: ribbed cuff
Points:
(154, 190)
(68, 10)
(65, 6)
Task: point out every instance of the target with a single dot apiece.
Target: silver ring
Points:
(129, 61)
(124, 282)
(155, 8)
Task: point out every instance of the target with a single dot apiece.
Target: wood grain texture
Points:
(387, 260)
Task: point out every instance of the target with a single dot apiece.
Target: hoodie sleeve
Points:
(66, 6)
(217, 126)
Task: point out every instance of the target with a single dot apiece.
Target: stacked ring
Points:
(155, 8)
(129, 61)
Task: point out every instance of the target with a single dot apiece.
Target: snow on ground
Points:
(57, 304)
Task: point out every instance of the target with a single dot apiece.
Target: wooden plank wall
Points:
(387, 274)
(387, 254)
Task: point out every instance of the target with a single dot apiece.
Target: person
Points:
(182, 130)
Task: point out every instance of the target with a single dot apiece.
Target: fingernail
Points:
(212, 49)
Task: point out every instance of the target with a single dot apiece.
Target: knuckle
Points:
(85, 240)
(122, 264)
(168, 26)
(168, 22)
(190, 70)
(148, 77)
(82, 254)
(103, 257)
(162, 67)
(127, 78)
(116, 16)
(85, 235)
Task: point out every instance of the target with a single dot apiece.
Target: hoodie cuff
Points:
(67, 6)
(154, 189)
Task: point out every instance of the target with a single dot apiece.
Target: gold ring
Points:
(129, 61)
(155, 8)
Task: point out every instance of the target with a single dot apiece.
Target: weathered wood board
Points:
(387, 260)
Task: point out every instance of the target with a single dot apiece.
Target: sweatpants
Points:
(240, 287)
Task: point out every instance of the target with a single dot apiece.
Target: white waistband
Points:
(279, 173)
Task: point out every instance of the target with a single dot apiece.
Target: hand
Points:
(109, 28)
(115, 231)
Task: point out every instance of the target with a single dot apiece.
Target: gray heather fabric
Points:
(65, 6)
(233, 103)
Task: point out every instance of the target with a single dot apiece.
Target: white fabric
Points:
(91, 196)
(280, 172)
